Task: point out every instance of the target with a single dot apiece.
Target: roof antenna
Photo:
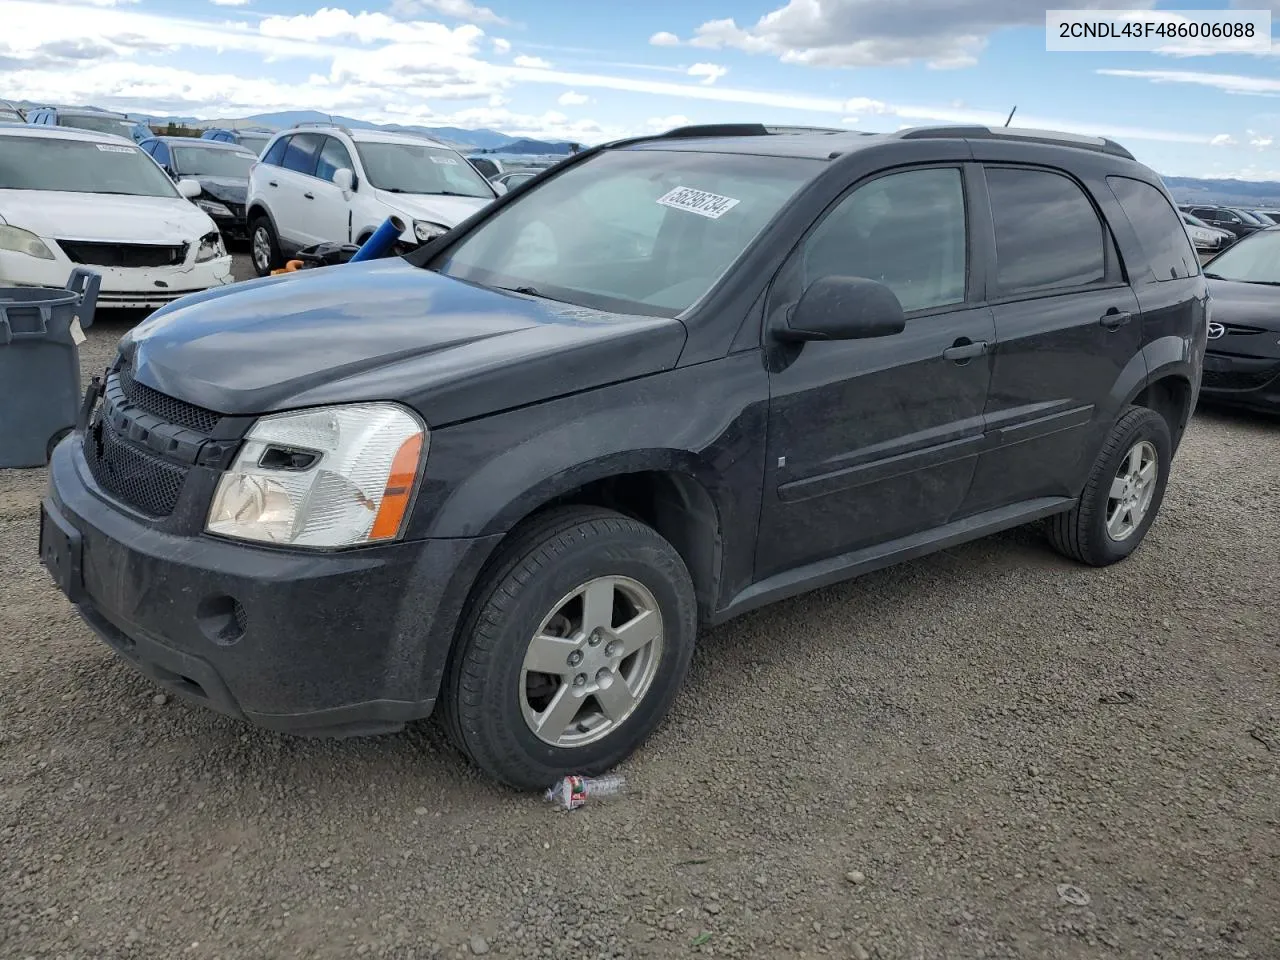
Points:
(1011, 113)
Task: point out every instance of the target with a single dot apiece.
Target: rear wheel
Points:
(264, 249)
(1123, 494)
(575, 645)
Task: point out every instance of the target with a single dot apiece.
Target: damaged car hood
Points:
(388, 330)
(104, 217)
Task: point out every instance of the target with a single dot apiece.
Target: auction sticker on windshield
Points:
(447, 161)
(710, 205)
(112, 148)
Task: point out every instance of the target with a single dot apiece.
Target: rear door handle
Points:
(964, 350)
(1114, 319)
(309, 195)
(272, 183)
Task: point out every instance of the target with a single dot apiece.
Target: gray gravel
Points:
(991, 753)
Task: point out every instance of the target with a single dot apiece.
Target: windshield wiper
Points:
(1215, 276)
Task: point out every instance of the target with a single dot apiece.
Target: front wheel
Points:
(1123, 494)
(576, 642)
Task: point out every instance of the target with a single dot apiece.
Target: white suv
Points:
(327, 183)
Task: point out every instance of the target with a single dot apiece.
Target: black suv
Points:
(1234, 220)
(513, 473)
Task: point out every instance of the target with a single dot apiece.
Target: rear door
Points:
(1067, 325)
(873, 440)
(291, 201)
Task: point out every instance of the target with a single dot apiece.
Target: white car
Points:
(71, 198)
(1204, 237)
(326, 183)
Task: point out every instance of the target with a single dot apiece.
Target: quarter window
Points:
(275, 156)
(1160, 230)
(905, 230)
(1048, 235)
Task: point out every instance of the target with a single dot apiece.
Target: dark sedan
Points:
(1242, 365)
(221, 169)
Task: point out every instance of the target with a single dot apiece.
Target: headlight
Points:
(24, 241)
(329, 477)
(213, 208)
(426, 230)
(210, 248)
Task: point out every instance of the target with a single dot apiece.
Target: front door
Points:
(872, 440)
(1067, 325)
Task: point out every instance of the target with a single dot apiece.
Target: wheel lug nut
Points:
(603, 674)
(612, 649)
(575, 658)
(594, 639)
(580, 680)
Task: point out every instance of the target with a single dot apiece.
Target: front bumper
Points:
(1252, 382)
(325, 644)
(122, 287)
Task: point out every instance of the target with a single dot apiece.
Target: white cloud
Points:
(500, 45)
(457, 9)
(532, 63)
(849, 121)
(710, 72)
(663, 124)
(1223, 140)
(664, 39)
(863, 33)
(1226, 82)
(571, 98)
(1259, 141)
(230, 3)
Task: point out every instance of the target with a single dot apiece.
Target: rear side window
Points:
(1160, 230)
(301, 154)
(1048, 236)
(276, 154)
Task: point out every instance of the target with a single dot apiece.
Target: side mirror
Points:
(844, 308)
(344, 179)
(499, 188)
(189, 189)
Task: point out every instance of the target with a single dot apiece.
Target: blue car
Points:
(84, 118)
(254, 140)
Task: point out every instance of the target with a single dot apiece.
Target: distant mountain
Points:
(526, 146)
(1246, 193)
(475, 139)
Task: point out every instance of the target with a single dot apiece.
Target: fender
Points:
(1170, 356)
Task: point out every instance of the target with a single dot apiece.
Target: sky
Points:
(594, 70)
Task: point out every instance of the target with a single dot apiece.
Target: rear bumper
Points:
(338, 644)
(1251, 382)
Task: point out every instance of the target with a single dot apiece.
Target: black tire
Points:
(56, 439)
(549, 557)
(1081, 533)
(275, 259)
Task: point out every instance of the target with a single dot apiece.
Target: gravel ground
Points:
(991, 753)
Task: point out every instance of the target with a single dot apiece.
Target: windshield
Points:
(1255, 259)
(7, 114)
(1247, 217)
(642, 231)
(420, 168)
(103, 124)
(254, 141)
(212, 162)
(1266, 218)
(76, 166)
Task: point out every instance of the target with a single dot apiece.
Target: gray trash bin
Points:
(40, 366)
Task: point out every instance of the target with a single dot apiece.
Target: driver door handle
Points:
(1114, 319)
(309, 195)
(965, 349)
(272, 183)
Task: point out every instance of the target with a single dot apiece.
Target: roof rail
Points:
(325, 124)
(740, 130)
(1099, 144)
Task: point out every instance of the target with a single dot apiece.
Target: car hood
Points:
(105, 217)
(449, 211)
(387, 330)
(1245, 304)
(230, 189)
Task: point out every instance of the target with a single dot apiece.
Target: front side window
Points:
(421, 168)
(1048, 236)
(333, 157)
(76, 166)
(300, 156)
(643, 231)
(212, 162)
(1255, 259)
(1163, 238)
(161, 153)
(905, 230)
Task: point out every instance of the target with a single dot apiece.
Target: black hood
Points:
(387, 330)
(226, 189)
(1252, 304)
